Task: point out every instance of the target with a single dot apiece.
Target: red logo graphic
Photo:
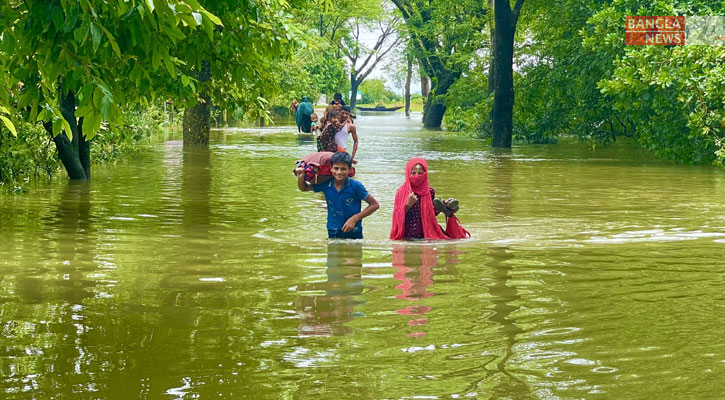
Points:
(663, 30)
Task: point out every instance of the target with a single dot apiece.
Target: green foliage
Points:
(469, 108)
(329, 74)
(6, 121)
(30, 154)
(577, 77)
(246, 55)
(140, 123)
(312, 70)
(373, 91)
(445, 35)
(668, 99)
(109, 53)
(673, 100)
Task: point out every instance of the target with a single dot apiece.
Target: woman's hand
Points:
(412, 199)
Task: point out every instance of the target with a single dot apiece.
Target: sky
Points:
(369, 38)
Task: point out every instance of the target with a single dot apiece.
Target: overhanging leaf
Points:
(96, 35)
(111, 39)
(9, 125)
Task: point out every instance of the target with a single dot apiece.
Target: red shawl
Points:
(419, 185)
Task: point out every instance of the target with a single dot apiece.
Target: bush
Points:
(31, 154)
(139, 124)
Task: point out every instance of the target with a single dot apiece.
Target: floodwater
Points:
(590, 274)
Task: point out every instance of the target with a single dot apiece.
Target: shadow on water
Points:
(326, 314)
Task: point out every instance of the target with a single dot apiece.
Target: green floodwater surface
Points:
(590, 274)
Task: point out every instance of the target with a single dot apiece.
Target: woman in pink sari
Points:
(414, 214)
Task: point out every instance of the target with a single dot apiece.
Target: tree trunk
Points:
(433, 113)
(197, 120)
(491, 50)
(424, 85)
(354, 84)
(407, 87)
(435, 106)
(196, 123)
(503, 85)
(425, 92)
(75, 153)
(84, 150)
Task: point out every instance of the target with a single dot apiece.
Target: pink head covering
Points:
(419, 185)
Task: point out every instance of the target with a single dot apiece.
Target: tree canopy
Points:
(94, 59)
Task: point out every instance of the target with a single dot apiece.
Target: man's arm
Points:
(353, 132)
(302, 184)
(371, 208)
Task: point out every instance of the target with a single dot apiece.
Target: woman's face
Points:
(417, 170)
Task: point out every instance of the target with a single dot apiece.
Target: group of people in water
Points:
(331, 132)
(330, 169)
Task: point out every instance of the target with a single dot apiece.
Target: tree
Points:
(505, 20)
(445, 35)
(408, 77)
(375, 92)
(400, 71)
(329, 17)
(234, 63)
(356, 51)
(73, 65)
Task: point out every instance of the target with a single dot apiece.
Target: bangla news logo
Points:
(674, 30)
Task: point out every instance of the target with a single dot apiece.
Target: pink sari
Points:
(419, 185)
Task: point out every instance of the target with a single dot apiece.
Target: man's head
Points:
(314, 117)
(340, 164)
(344, 113)
(337, 98)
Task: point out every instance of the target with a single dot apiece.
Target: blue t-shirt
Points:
(343, 204)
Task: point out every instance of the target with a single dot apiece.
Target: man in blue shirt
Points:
(344, 197)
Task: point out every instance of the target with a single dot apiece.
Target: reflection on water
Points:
(414, 268)
(209, 275)
(326, 314)
(505, 299)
